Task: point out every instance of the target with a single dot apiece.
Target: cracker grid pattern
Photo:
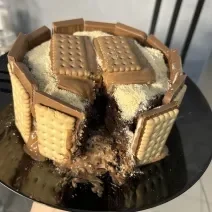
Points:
(155, 133)
(117, 54)
(55, 133)
(69, 55)
(21, 100)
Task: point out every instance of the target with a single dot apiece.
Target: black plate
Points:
(190, 145)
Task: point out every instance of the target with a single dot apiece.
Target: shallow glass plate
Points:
(190, 146)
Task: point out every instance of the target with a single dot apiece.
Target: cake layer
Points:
(122, 61)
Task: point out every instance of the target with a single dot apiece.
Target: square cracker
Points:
(55, 133)
(152, 130)
(21, 100)
(119, 54)
(122, 61)
(72, 56)
(175, 64)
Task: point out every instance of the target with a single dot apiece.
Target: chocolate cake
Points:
(95, 98)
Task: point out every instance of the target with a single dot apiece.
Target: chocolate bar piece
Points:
(69, 26)
(123, 62)
(81, 87)
(19, 49)
(124, 30)
(25, 77)
(174, 89)
(175, 64)
(74, 61)
(153, 42)
(27, 80)
(99, 26)
(38, 36)
(152, 130)
(52, 102)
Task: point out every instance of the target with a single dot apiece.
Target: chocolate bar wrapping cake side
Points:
(94, 102)
(68, 26)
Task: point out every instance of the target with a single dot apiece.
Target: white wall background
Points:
(31, 14)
